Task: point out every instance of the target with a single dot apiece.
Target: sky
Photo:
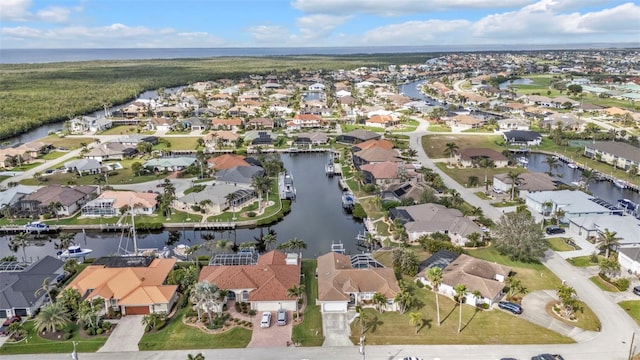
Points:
(313, 23)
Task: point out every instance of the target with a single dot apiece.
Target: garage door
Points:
(137, 310)
(334, 307)
(3, 314)
(21, 312)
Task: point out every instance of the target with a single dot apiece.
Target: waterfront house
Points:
(513, 124)
(357, 136)
(261, 280)
(387, 172)
(344, 282)
(619, 154)
(381, 121)
(260, 137)
(401, 191)
(213, 198)
(111, 151)
(133, 285)
(315, 138)
(426, 219)
(239, 174)
(227, 161)
(374, 155)
(573, 203)
(522, 137)
(112, 203)
(384, 144)
(84, 166)
(477, 275)
(12, 195)
(169, 164)
(219, 139)
(471, 157)
(529, 182)
(21, 281)
(67, 200)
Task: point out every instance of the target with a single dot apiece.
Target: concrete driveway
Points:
(126, 335)
(336, 330)
(273, 336)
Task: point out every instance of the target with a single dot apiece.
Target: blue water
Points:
(27, 56)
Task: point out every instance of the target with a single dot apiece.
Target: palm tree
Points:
(559, 215)
(296, 291)
(65, 240)
(552, 163)
(19, 241)
(197, 356)
(434, 275)
(588, 175)
(515, 178)
(455, 197)
(223, 245)
(461, 296)
(405, 299)
(365, 318)
(450, 149)
(70, 300)
(415, 319)
(86, 313)
(231, 200)
(606, 240)
(379, 301)
(486, 164)
(358, 176)
(297, 244)
(50, 318)
(269, 239)
(44, 289)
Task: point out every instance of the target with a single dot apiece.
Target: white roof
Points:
(627, 228)
(571, 202)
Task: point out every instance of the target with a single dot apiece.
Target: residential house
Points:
(513, 124)
(21, 281)
(343, 283)
(110, 151)
(629, 259)
(528, 181)
(374, 155)
(381, 121)
(384, 144)
(219, 139)
(261, 137)
(227, 161)
(213, 198)
(619, 154)
(522, 138)
(195, 123)
(573, 203)
(84, 166)
(301, 121)
(357, 136)
(464, 122)
(591, 227)
(169, 164)
(402, 191)
(311, 139)
(226, 124)
(565, 120)
(239, 174)
(67, 199)
(160, 124)
(112, 203)
(387, 172)
(260, 124)
(132, 285)
(135, 139)
(10, 157)
(471, 157)
(426, 219)
(263, 281)
(11, 196)
(482, 276)
(316, 87)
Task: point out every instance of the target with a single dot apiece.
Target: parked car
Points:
(11, 320)
(266, 320)
(281, 318)
(551, 230)
(636, 290)
(547, 357)
(511, 307)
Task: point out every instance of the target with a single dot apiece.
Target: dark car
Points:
(511, 307)
(11, 320)
(551, 230)
(547, 357)
(636, 290)
(4, 330)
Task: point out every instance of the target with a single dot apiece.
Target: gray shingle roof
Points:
(17, 289)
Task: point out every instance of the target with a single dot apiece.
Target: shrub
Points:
(484, 306)
(622, 284)
(358, 212)
(237, 307)
(106, 325)
(99, 332)
(252, 312)
(419, 284)
(251, 214)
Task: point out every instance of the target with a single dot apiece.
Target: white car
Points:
(266, 320)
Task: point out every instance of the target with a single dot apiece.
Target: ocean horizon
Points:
(35, 56)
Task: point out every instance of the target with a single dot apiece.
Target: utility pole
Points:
(74, 354)
(362, 339)
(633, 337)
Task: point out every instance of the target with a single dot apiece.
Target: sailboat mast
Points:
(133, 229)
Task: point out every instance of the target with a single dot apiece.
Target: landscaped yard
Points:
(351, 127)
(67, 142)
(605, 286)
(559, 244)
(178, 143)
(632, 307)
(176, 336)
(586, 319)
(38, 345)
(434, 145)
(583, 261)
(479, 326)
(309, 332)
(461, 175)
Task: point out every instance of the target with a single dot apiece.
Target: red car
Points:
(11, 320)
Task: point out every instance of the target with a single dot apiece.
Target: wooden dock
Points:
(600, 175)
(202, 225)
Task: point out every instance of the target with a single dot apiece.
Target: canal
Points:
(316, 217)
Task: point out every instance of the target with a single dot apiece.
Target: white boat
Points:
(620, 183)
(572, 165)
(36, 226)
(74, 251)
(181, 250)
(523, 160)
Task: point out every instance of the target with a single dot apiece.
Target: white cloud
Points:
(15, 10)
(418, 33)
(269, 34)
(317, 27)
(398, 7)
(54, 14)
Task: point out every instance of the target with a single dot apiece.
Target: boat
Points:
(572, 165)
(337, 247)
(74, 251)
(628, 206)
(329, 169)
(523, 161)
(36, 226)
(348, 200)
(285, 185)
(620, 183)
(123, 249)
(181, 251)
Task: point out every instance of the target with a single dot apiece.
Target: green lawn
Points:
(52, 155)
(351, 127)
(38, 345)
(586, 319)
(479, 327)
(75, 220)
(534, 276)
(178, 336)
(434, 145)
(582, 261)
(439, 128)
(559, 244)
(67, 142)
(461, 175)
(176, 217)
(309, 332)
(632, 307)
(605, 286)
(178, 143)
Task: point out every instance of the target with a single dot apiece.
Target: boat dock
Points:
(329, 169)
(285, 186)
(15, 229)
(203, 225)
(623, 184)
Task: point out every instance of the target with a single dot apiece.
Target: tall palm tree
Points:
(379, 301)
(297, 244)
(231, 200)
(450, 149)
(65, 240)
(515, 178)
(461, 296)
(455, 197)
(269, 240)
(19, 241)
(434, 275)
(552, 163)
(588, 176)
(223, 245)
(50, 318)
(296, 291)
(415, 319)
(44, 289)
(606, 240)
(486, 164)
